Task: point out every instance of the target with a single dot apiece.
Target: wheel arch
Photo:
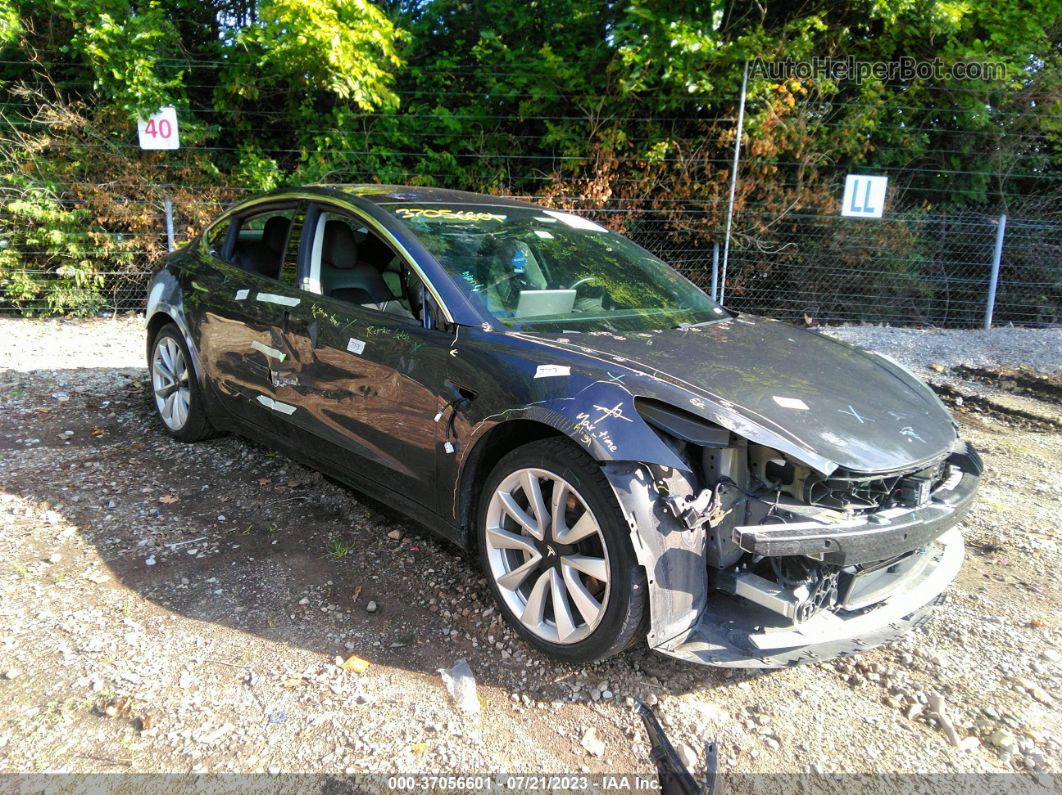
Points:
(481, 460)
(154, 326)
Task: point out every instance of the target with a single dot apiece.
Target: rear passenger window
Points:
(262, 242)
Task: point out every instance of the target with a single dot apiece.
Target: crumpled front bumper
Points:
(693, 621)
(878, 536)
(735, 633)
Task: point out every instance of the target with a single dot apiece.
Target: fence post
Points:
(715, 272)
(168, 208)
(733, 177)
(993, 280)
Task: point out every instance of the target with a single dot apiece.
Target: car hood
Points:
(844, 406)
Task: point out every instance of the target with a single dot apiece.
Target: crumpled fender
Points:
(600, 418)
(672, 556)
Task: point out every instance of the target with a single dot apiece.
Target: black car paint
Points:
(370, 419)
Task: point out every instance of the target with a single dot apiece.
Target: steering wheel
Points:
(580, 282)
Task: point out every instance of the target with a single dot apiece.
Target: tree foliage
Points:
(627, 102)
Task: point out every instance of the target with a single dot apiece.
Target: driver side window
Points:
(350, 263)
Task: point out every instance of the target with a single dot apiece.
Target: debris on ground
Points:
(461, 685)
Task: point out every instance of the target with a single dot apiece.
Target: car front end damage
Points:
(755, 559)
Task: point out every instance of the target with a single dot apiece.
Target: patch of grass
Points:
(339, 550)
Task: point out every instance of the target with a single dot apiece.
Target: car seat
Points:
(265, 256)
(346, 278)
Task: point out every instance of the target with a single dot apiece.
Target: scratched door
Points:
(368, 385)
(239, 307)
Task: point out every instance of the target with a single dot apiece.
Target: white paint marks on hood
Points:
(551, 370)
(273, 298)
(790, 403)
(278, 355)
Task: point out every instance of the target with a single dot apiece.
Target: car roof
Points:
(392, 194)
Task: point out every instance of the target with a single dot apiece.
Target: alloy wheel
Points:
(547, 555)
(169, 378)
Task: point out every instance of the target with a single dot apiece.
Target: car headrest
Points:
(275, 233)
(339, 250)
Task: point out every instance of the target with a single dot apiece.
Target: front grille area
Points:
(844, 491)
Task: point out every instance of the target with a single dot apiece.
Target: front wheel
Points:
(557, 553)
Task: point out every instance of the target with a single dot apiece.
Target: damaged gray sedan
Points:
(628, 458)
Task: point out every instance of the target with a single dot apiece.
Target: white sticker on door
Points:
(276, 405)
(273, 298)
(258, 346)
(355, 346)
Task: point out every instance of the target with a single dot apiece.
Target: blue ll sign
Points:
(864, 196)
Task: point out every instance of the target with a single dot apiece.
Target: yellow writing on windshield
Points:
(446, 214)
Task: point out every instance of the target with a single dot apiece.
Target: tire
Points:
(533, 565)
(175, 388)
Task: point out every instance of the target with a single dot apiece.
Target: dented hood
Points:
(843, 405)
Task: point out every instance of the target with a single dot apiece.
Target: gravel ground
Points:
(1040, 349)
(182, 608)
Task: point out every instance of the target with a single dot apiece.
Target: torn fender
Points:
(672, 556)
(600, 418)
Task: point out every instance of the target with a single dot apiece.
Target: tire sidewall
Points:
(626, 576)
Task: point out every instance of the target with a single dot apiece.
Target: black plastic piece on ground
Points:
(675, 779)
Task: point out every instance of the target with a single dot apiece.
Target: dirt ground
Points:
(182, 608)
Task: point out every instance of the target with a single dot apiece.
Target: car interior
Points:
(350, 263)
(347, 261)
(261, 250)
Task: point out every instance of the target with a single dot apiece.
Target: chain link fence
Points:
(910, 268)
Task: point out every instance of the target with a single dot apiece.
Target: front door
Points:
(364, 373)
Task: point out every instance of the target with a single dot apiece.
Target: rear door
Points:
(245, 293)
(364, 368)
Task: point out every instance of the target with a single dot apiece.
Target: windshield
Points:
(546, 270)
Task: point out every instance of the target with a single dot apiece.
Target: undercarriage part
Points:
(797, 595)
(775, 597)
(673, 776)
(727, 465)
(823, 594)
(693, 511)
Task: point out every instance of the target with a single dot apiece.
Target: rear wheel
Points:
(557, 553)
(177, 397)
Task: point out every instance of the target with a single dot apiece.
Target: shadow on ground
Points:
(229, 533)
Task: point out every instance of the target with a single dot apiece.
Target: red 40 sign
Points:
(159, 131)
